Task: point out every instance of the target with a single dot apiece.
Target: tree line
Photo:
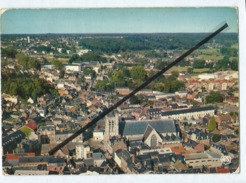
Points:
(90, 56)
(138, 42)
(136, 75)
(25, 85)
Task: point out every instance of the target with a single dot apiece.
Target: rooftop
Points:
(139, 127)
(194, 156)
(195, 109)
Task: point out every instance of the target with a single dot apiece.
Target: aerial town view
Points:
(62, 68)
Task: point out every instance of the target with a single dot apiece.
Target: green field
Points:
(178, 69)
(184, 69)
(206, 54)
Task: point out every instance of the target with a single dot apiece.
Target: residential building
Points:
(191, 113)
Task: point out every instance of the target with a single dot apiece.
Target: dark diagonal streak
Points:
(148, 81)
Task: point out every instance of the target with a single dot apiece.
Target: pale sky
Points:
(117, 20)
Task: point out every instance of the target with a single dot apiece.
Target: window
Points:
(153, 142)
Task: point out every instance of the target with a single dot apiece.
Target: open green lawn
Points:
(178, 69)
(205, 54)
(209, 51)
(209, 57)
(184, 69)
(26, 130)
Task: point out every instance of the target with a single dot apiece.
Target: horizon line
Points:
(118, 33)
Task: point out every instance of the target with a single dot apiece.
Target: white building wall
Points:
(210, 162)
(76, 68)
(79, 151)
(86, 150)
(148, 140)
(98, 136)
(195, 115)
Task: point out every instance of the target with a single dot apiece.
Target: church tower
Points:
(111, 125)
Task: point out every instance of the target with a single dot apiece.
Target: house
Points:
(192, 170)
(62, 152)
(52, 163)
(13, 99)
(197, 160)
(47, 134)
(73, 67)
(200, 136)
(96, 66)
(118, 144)
(181, 94)
(30, 100)
(231, 137)
(159, 105)
(179, 149)
(233, 154)
(154, 113)
(219, 170)
(61, 85)
(196, 113)
(124, 161)
(98, 158)
(98, 134)
(56, 164)
(9, 143)
(31, 172)
(60, 136)
(193, 146)
(223, 119)
(179, 166)
(218, 149)
(83, 151)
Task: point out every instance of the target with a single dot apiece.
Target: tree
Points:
(211, 124)
(134, 100)
(9, 52)
(223, 64)
(214, 97)
(126, 72)
(190, 70)
(199, 64)
(58, 65)
(216, 138)
(117, 76)
(138, 73)
(61, 74)
(87, 71)
(159, 86)
(175, 74)
(28, 62)
(234, 65)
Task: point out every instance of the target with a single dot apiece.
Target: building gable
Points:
(151, 137)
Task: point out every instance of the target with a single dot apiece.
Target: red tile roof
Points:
(16, 157)
(32, 125)
(223, 170)
(12, 157)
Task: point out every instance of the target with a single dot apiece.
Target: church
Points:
(154, 133)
